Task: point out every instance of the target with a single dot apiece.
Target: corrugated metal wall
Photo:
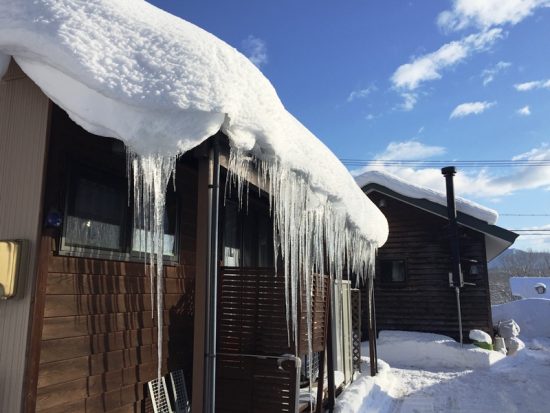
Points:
(23, 129)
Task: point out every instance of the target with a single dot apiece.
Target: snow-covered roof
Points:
(412, 190)
(524, 287)
(129, 70)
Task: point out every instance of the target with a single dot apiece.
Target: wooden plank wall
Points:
(425, 302)
(98, 343)
(24, 118)
(252, 321)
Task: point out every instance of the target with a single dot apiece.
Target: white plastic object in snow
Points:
(514, 344)
(480, 336)
(508, 329)
(500, 345)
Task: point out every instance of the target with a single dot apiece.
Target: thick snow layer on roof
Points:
(411, 190)
(524, 287)
(129, 70)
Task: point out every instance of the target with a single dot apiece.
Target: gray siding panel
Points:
(23, 130)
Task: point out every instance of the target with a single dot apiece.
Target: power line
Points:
(530, 230)
(502, 163)
(524, 215)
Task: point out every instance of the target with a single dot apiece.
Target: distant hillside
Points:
(513, 259)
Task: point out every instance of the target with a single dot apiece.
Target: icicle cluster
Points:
(149, 176)
(311, 235)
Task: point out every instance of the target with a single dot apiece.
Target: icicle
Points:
(150, 177)
(308, 233)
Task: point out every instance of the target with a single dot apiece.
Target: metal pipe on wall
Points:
(209, 395)
(449, 172)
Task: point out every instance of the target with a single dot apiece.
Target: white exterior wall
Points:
(23, 133)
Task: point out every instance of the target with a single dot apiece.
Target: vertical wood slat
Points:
(24, 115)
(252, 321)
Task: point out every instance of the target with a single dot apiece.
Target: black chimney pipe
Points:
(449, 172)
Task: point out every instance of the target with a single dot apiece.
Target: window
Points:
(392, 271)
(99, 222)
(247, 236)
(96, 212)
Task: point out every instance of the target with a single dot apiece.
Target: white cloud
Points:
(360, 93)
(487, 13)
(535, 242)
(535, 84)
(428, 67)
(480, 183)
(409, 101)
(255, 49)
(410, 150)
(524, 111)
(488, 75)
(470, 108)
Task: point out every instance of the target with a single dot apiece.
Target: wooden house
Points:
(81, 331)
(412, 283)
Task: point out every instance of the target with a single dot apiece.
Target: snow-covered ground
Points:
(413, 383)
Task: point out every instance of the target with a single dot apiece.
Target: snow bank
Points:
(431, 351)
(129, 70)
(411, 190)
(532, 316)
(366, 393)
(524, 287)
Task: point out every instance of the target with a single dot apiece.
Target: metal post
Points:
(449, 172)
(209, 395)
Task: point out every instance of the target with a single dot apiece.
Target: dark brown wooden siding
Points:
(425, 302)
(98, 346)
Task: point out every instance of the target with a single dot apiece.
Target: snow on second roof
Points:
(525, 287)
(129, 70)
(410, 190)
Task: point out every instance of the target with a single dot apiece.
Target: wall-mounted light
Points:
(11, 253)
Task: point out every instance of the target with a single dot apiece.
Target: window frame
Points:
(125, 253)
(390, 283)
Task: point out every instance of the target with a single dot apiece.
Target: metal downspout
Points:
(209, 395)
(449, 172)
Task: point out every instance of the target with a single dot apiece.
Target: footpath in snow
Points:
(432, 373)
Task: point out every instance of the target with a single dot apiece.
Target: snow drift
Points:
(411, 190)
(531, 314)
(431, 351)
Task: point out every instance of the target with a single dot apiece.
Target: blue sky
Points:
(421, 80)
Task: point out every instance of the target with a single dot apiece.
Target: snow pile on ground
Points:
(431, 351)
(129, 70)
(531, 314)
(480, 336)
(366, 393)
(512, 385)
(411, 190)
